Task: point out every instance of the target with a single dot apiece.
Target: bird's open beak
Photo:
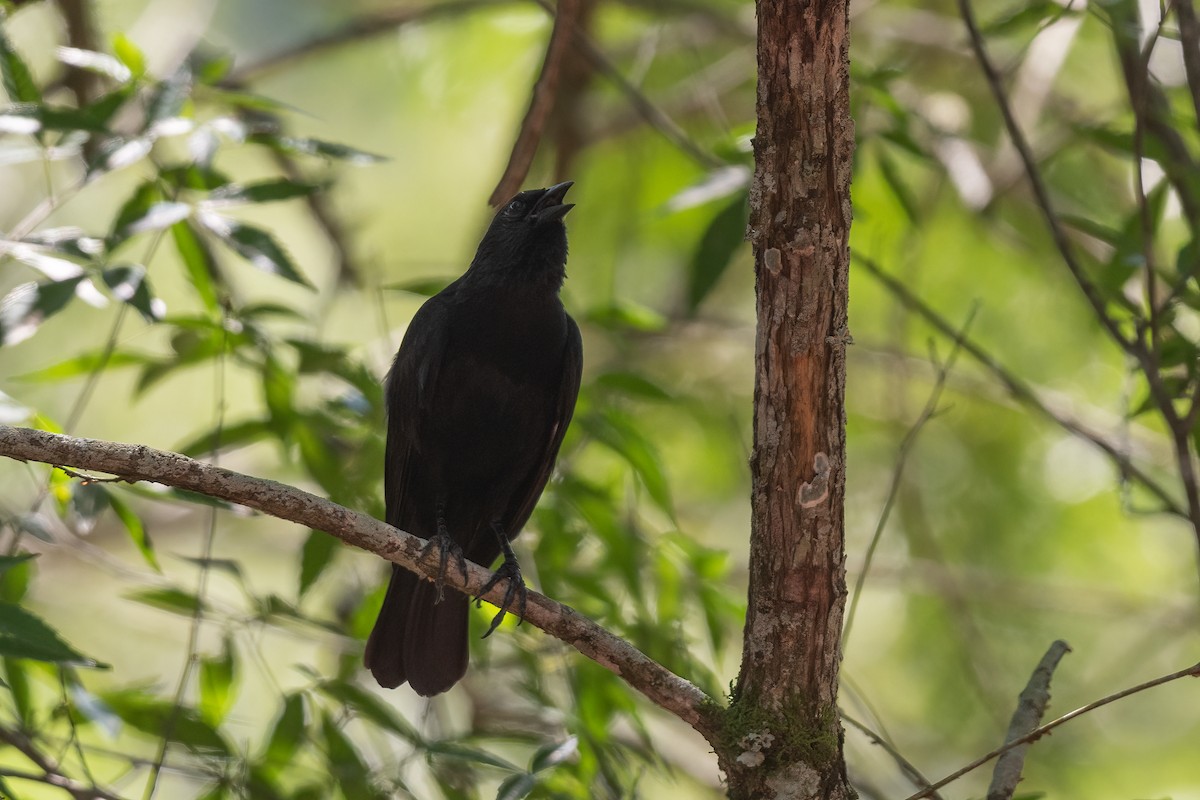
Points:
(550, 206)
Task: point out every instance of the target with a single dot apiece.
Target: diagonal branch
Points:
(366, 26)
(140, 463)
(1189, 37)
(1190, 672)
(1041, 194)
(545, 92)
(1021, 391)
(50, 770)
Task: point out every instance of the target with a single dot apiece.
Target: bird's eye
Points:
(515, 208)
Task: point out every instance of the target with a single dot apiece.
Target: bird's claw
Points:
(510, 571)
(446, 547)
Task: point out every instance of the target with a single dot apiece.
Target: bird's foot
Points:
(447, 547)
(510, 570)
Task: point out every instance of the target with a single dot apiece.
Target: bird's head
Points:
(527, 238)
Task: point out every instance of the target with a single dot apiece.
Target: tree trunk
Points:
(782, 737)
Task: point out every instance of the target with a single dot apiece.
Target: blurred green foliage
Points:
(216, 252)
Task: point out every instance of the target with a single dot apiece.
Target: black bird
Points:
(479, 397)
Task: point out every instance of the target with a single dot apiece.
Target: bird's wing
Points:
(410, 391)
(568, 391)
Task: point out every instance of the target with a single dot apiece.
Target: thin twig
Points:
(193, 640)
(1040, 192)
(1031, 707)
(140, 463)
(654, 116)
(1191, 672)
(363, 27)
(910, 771)
(50, 770)
(1189, 38)
(561, 44)
(906, 446)
(1022, 392)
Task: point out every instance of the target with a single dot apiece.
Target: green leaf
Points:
(197, 177)
(8, 562)
(33, 524)
(551, 755)
(27, 306)
(159, 718)
(135, 529)
(84, 365)
(128, 283)
(101, 63)
(460, 752)
(18, 687)
(199, 262)
(15, 579)
(176, 601)
(279, 388)
(156, 217)
(287, 733)
(898, 187)
(625, 315)
(218, 676)
(226, 437)
(97, 115)
(619, 434)
(632, 385)
(135, 208)
(129, 54)
(88, 501)
(317, 554)
(264, 192)
(23, 635)
(422, 287)
(346, 766)
(170, 96)
(255, 245)
(18, 81)
(725, 235)
(1032, 14)
(370, 707)
(515, 787)
(315, 147)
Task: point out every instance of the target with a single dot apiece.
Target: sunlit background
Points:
(1006, 531)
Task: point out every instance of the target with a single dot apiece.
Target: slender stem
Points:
(201, 586)
(1191, 672)
(1024, 393)
(906, 446)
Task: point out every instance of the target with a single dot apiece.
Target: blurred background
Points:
(296, 176)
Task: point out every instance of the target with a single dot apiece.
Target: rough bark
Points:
(783, 738)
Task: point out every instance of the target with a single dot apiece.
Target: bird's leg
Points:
(446, 547)
(511, 571)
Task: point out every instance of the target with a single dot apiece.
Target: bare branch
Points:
(1189, 36)
(906, 766)
(362, 27)
(140, 463)
(50, 770)
(654, 116)
(1022, 392)
(1094, 298)
(906, 446)
(1031, 707)
(545, 91)
(1191, 672)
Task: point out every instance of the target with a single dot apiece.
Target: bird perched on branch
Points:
(479, 397)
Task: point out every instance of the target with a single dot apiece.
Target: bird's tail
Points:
(418, 639)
